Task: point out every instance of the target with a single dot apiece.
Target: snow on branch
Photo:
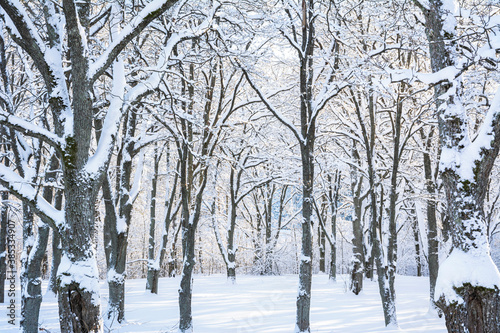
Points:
(461, 268)
(20, 188)
(30, 129)
(25, 34)
(485, 138)
(328, 91)
(153, 82)
(271, 108)
(152, 10)
(447, 74)
(111, 123)
(254, 187)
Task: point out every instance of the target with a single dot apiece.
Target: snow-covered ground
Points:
(262, 304)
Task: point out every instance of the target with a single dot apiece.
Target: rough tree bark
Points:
(468, 306)
(432, 229)
(308, 132)
(358, 261)
(69, 98)
(152, 223)
(32, 298)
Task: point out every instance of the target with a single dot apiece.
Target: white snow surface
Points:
(83, 272)
(460, 268)
(262, 304)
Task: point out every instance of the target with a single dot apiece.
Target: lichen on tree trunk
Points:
(478, 313)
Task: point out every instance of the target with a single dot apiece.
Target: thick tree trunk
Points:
(477, 314)
(479, 310)
(78, 294)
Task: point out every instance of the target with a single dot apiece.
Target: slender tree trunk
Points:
(358, 266)
(305, 268)
(189, 225)
(416, 239)
(308, 131)
(32, 298)
(268, 261)
(56, 260)
(29, 241)
(259, 248)
(56, 247)
(170, 213)
(152, 269)
(392, 249)
(231, 251)
(321, 246)
(385, 281)
(432, 229)
(185, 290)
(333, 198)
(172, 261)
(30, 307)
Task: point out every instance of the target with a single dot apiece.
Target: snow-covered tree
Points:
(468, 282)
(69, 59)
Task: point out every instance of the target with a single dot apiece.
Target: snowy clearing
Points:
(264, 304)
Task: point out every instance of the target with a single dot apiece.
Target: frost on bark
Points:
(60, 54)
(308, 131)
(467, 287)
(32, 275)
